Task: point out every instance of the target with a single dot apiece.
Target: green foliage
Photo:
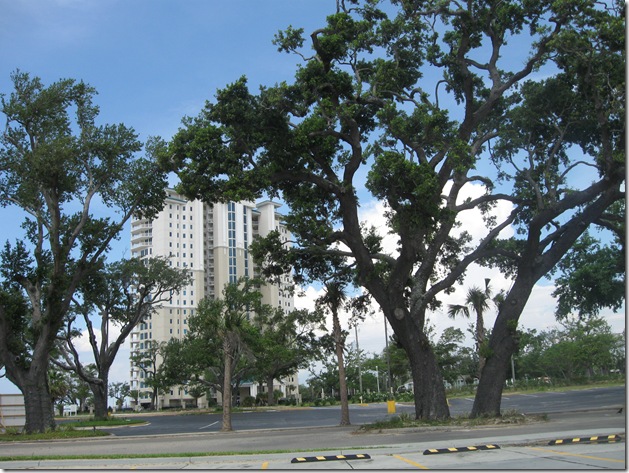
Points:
(148, 361)
(286, 343)
(593, 277)
(581, 350)
(404, 420)
(61, 433)
(56, 162)
(248, 401)
(369, 110)
(124, 293)
(411, 190)
(453, 357)
(119, 391)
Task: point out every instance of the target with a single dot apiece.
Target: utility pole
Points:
(512, 372)
(360, 375)
(386, 349)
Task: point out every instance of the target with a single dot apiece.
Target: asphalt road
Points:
(543, 402)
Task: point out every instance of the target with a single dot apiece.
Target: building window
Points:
(231, 240)
(246, 239)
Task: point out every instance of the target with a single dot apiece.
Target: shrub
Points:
(248, 401)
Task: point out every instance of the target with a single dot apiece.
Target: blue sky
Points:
(151, 61)
(155, 61)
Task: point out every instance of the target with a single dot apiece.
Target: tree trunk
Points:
(480, 341)
(502, 344)
(271, 396)
(338, 342)
(101, 398)
(227, 388)
(40, 415)
(429, 391)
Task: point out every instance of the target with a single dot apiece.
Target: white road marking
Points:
(209, 425)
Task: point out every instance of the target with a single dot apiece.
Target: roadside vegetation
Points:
(79, 428)
(160, 455)
(405, 420)
(60, 433)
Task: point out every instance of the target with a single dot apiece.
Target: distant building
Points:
(211, 241)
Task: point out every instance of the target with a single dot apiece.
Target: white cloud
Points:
(120, 368)
(538, 313)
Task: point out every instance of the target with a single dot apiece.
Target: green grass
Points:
(68, 430)
(111, 422)
(61, 433)
(536, 387)
(404, 420)
(164, 455)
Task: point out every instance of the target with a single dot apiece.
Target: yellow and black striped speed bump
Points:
(432, 451)
(360, 456)
(601, 438)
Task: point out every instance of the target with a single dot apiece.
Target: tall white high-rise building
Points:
(212, 242)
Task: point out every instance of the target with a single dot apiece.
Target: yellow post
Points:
(390, 407)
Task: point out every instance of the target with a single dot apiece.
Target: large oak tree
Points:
(121, 296)
(77, 183)
(406, 102)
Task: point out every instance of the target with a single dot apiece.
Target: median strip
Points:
(360, 456)
(601, 438)
(433, 451)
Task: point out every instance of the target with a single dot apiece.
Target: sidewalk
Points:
(509, 449)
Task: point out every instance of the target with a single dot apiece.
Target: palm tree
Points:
(228, 318)
(477, 300)
(334, 298)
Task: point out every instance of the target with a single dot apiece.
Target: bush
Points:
(375, 397)
(405, 397)
(249, 401)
